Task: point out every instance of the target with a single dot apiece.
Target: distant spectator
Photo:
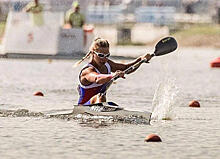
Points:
(73, 16)
(36, 9)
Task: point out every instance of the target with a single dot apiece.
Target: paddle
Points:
(163, 47)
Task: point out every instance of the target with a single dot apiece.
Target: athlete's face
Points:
(101, 55)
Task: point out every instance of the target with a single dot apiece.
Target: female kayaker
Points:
(99, 71)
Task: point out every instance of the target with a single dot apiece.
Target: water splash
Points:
(166, 99)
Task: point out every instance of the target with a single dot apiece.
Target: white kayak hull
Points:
(119, 113)
(114, 111)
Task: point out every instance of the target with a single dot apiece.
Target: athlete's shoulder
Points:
(88, 69)
(116, 66)
(110, 62)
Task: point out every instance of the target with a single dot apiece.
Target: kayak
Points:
(109, 109)
(119, 113)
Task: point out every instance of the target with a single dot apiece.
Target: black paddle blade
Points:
(165, 46)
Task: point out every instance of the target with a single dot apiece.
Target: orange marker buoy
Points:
(49, 60)
(215, 63)
(194, 103)
(39, 94)
(152, 138)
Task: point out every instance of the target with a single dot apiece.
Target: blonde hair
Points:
(96, 44)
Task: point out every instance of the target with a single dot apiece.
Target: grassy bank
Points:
(199, 35)
(2, 28)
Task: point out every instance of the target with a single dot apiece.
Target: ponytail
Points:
(80, 61)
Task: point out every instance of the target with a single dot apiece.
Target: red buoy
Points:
(152, 138)
(215, 62)
(38, 94)
(194, 103)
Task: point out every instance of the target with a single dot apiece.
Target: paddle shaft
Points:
(133, 67)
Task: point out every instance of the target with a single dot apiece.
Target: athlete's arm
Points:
(89, 76)
(120, 66)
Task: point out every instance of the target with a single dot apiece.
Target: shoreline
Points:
(199, 35)
(128, 52)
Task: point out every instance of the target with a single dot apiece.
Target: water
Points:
(185, 76)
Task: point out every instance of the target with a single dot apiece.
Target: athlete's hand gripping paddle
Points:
(163, 47)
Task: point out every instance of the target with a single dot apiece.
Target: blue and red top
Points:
(87, 92)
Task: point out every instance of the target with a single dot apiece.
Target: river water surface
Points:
(171, 82)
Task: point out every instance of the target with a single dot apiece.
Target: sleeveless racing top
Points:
(87, 92)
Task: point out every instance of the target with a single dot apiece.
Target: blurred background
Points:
(137, 22)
